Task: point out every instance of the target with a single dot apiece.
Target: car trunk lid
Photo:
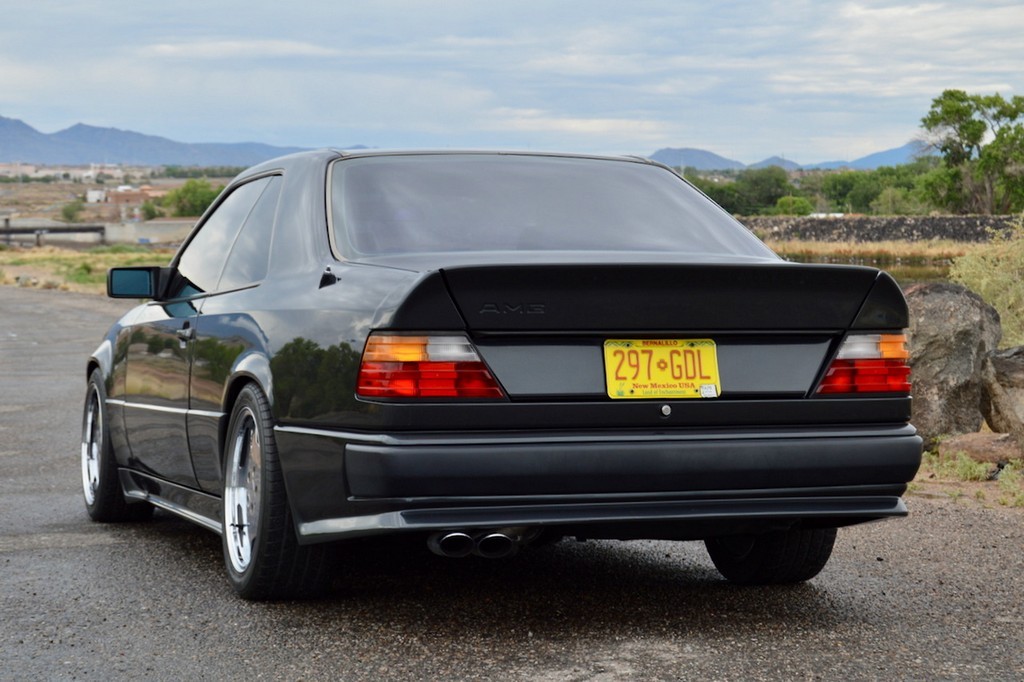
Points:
(659, 297)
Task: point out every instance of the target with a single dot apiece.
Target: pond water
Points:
(906, 271)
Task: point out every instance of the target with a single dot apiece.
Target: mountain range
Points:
(707, 161)
(83, 144)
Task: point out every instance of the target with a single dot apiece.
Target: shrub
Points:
(71, 211)
(790, 205)
(192, 198)
(995, 271)
(1011, 485)
(150, 211)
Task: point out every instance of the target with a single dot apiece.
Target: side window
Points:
(250, 255)
(203, 259)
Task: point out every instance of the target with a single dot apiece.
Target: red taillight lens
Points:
(869, 363)
(424, 367)
(866, 376)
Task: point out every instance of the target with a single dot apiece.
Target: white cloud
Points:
(538, 120)
(232, 49)
(810, 80)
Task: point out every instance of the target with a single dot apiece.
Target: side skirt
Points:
(200, 508)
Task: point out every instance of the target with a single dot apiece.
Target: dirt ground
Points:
(45, 200)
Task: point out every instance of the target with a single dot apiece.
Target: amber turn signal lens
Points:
(869, 363)
(399, 366)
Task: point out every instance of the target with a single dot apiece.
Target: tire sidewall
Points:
(248, 397)
(107, 484)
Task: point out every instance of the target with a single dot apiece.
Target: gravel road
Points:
(939, 595)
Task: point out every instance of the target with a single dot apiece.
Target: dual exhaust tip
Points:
(489, 544)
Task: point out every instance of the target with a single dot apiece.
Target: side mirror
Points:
(138, 282)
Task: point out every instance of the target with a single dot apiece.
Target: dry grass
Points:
(50, 267)
(934, 250)
(977, 483)
(996, 272)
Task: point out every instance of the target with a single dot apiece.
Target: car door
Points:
(229, 335)
(162, 342)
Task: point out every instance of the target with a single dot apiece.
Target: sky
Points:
(807, 81)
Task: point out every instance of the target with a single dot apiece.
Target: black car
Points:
(493, 350)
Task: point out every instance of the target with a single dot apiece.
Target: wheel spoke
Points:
(92, 441)
(242, 492)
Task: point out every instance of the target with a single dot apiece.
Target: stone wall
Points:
(973, 228)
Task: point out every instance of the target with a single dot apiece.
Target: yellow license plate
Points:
(661, 368)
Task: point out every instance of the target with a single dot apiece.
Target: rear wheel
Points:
(104, 498)
(774, 558)
(261, 552)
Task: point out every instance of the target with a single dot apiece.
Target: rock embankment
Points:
(952, 331)
(960, 380)
(852, 228)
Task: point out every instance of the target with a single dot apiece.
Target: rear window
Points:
(486, 202)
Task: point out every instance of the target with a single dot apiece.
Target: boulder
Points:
(1002, 398)
(952, 331)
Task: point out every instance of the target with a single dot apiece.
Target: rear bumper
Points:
(614, 484)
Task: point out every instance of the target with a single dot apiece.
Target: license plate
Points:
(661, 368)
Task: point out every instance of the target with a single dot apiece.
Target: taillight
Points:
(869, 363)
(448, 366)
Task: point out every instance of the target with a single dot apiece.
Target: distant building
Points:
(16, 170)
(127, 197)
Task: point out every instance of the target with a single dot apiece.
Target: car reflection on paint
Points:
(491, 351)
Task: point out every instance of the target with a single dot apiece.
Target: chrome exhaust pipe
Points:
(495, 545)
(489, 544)
(451, 544)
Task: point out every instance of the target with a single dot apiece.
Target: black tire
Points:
(101, 487)
(261, 552)
(776, 558)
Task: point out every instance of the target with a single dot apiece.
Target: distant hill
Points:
(696, 158)
(83, 144)
(893, 157)
(776, 161)
(706, 161)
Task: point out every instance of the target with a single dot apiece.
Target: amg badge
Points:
(512, 308)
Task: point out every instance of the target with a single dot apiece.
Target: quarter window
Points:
(203, 259)
(250, 255)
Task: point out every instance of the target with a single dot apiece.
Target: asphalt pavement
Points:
(936, 596)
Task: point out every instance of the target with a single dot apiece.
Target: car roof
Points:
(329, 154)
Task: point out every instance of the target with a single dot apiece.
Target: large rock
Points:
(1002, 398)
(952, 331)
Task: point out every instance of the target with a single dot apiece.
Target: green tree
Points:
(866, 189)
(981, 139)
(755, 190)
(761, 188)
(837, 187)
(71, 211)
(150, 211)
(898, 201)
(790, 205)
(192, 198)
(724, 194)
(852, 191)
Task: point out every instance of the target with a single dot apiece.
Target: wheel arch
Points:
(250, 368)
(102, 359)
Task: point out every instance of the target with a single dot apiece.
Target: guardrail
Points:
(39, 232)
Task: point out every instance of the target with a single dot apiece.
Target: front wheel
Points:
(261, 552)
(104, 498)
(774, 558)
